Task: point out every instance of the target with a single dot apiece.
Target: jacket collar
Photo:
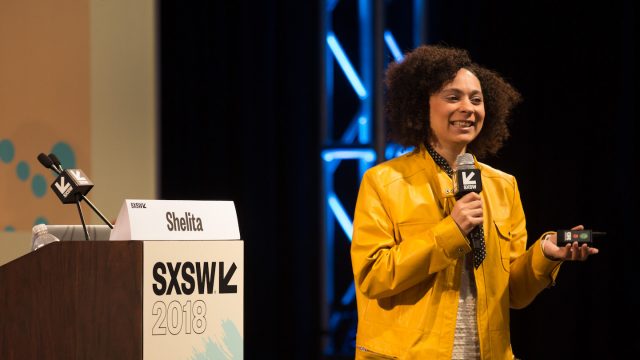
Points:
(438, 180)
(441, 183)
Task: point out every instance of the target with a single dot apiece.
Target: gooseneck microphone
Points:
(79, 175)
(71, 186)
(466, 179)
(55, 161)
(47, 162)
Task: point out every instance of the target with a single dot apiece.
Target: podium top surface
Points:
(76, 232)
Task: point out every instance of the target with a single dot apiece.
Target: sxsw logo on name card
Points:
(138, 205)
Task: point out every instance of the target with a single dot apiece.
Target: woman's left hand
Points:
(569, 251)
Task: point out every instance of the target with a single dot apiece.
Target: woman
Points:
(418, 292)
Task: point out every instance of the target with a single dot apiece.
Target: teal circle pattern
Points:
(9, 228)
(65, 154)
(41, 220)
(7, 151)
(23, 170)
(38, 185)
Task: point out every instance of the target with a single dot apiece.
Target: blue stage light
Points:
(341, 215)
(393, 46)
(345, 64)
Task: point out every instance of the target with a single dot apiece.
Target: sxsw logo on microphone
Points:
(468, 182)
(70, 185)
(80, 177)
(63, 186)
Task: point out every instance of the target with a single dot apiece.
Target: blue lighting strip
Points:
(358, 128)
(346, 66)
(352, 132)
(393, 46)
(331, 4)
(332, 159)
(348, 297)
(368, 155)
(341, 215)
(364, 130)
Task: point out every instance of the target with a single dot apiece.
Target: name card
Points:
(176, 220)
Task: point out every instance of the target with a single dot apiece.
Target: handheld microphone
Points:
(467, 177)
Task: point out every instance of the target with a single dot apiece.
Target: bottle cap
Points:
(38, 228)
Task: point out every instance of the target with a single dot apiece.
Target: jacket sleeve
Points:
(531, 272)
(384, 265)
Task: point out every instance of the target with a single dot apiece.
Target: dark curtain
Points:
(239, 120)
(571, 150)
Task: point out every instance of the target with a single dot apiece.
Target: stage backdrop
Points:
(77, 78)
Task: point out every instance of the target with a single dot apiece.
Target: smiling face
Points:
(456, 112)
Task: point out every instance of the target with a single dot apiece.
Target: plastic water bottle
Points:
(41, 237)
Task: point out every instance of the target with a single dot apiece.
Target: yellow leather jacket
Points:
(405, 253)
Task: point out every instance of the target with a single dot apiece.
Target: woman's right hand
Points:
(467, 212)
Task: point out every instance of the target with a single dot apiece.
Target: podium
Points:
(73, 300)
(177, 297)
(124, 300)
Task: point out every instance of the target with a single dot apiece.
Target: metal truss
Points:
(353, 138)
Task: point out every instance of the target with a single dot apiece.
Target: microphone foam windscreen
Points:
(45, 160)
(55, 159)
(464, 159)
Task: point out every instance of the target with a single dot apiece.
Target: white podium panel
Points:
(193, 300)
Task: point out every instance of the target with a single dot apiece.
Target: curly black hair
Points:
(423, 72)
